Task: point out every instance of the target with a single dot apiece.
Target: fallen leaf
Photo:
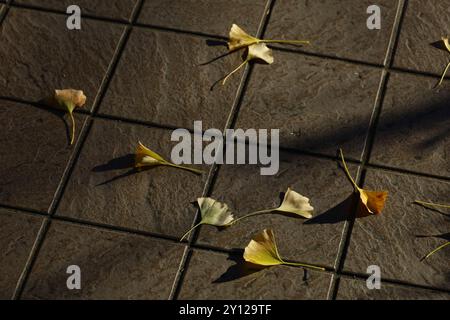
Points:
(213, 213)
(68, 100)
(262, 250)
(240, 39)
(371, 202)
(145, 157)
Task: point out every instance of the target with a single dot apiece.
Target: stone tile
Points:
(204, 16)
(212, 276)
(425, 22)
(392, 240)
(413, 132)
(334, 29)
(160, 79)
(118, 9)
(39, 54)
(35, 152)
(352, 289)
(99, 190)
(113, 265)
(320, 107)
(244, 190)
(17, 235)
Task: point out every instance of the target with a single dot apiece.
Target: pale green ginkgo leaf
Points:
(296, 203)
(262, 250)
(67, 100)
(213, 213)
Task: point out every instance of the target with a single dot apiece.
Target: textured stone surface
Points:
(39, 54)
(204, 16)
(393, 240)
(215, 276)
(352, 289)
(157, 200)
(119, 9)
(35, 151)
(160, 79)
(314, 241)
(334, 29)
(113, 265)
(424, 24)
(321, 106)
(17, 234)
(413, 132)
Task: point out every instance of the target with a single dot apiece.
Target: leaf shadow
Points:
(339, 213)
(439, 45)
(433, 209)
(120, 163)
(240, 269)
(444, 236)
(216, 43)
(45, 105)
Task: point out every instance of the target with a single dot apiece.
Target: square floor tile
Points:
(35, 152)
(425, 23)
(394, 240)
(100, 189)
(413, 132)
(334, 29)
(204, 16)
(352, 289)
(317, 105)
(160, 79)
(118, 9)
(18, 232)
(214, 276)
(39, 54)
(112, 265)
(314, 241)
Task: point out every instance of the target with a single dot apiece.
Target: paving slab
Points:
(352, 289)
(160, 79)
(320, 107)
(394, 240)
(39, 54)
(101, 188)
(244, 190)
(117, 9)
(413, 131)
(213, 17)
(334, 29)
(113, 265)
(425, 22)
(35, 152)
(216, 276)
(17, 235)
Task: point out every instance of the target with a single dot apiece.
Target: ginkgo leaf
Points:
(371, 202)
(240, 39)
(144, 158)
(68, 100)
(445, 40)
(296, 203)
(254, 52)
(262, 250)
(213, 213)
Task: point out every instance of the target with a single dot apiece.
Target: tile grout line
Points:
(185, 261)
(368, 145)
(40, 238)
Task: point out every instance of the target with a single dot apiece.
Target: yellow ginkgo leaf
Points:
(240, 39)
(445, 40)
(144, 158)
(262, 250)
(68, 100)
(214, 213)
(296, 203)
(371, 202)
(254, 52)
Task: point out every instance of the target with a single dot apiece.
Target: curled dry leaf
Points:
(445, 40)
(213, 213)
(262, 250)
(145, 158)
(68, 100)
(371, 202)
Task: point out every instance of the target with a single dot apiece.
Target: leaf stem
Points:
(196, 171)
(190, 230)
(234, 71)
(347, 171)
(443, 74)
(251, 215)
(72, 140)
(436, 250)
(303, 265)
(432, 204)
